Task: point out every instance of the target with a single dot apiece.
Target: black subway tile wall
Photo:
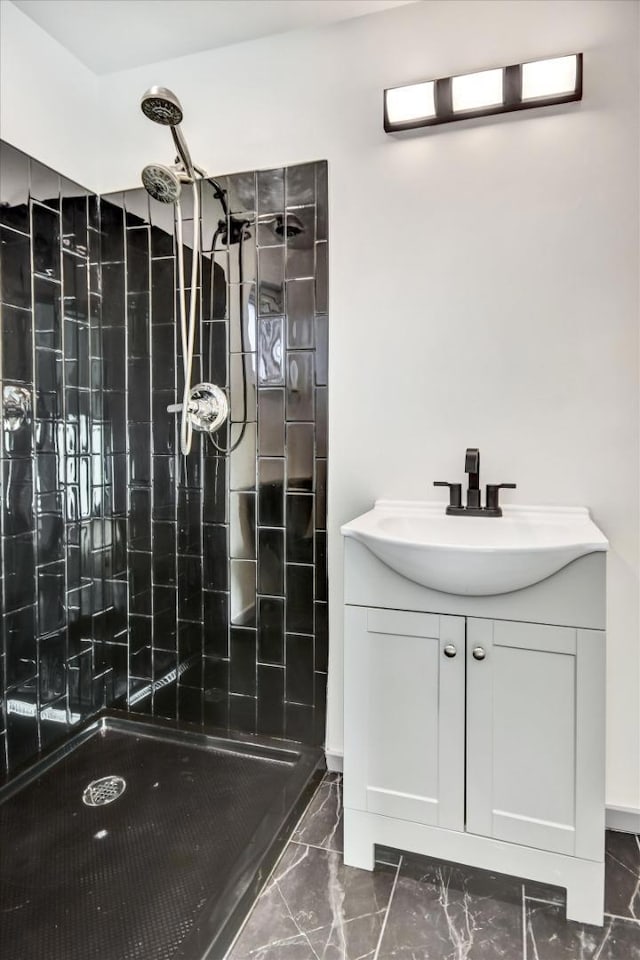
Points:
(63, 523)
(196, 588)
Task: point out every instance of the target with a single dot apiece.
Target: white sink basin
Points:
(475, 556)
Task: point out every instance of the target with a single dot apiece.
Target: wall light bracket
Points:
(520, 86)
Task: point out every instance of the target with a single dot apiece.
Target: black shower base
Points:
(166, 871)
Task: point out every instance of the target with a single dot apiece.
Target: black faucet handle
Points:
(472, 460)
(493, 495)
(455, 492)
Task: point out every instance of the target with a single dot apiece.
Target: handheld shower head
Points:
(161, 183)
(162, 106)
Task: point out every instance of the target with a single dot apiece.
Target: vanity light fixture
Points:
(520, 86)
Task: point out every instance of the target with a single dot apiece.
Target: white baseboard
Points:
(334, 760)
(624, 819)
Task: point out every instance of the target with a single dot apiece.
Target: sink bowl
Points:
(475, 556)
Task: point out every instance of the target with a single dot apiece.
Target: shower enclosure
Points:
(188, 590)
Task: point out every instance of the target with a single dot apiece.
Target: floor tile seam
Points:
(268, 879)
(376, 955)
(560, 903)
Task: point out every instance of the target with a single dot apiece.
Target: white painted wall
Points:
(484, 277)
(48, 99)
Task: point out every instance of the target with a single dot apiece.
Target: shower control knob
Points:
(450, 651)
(478, 653)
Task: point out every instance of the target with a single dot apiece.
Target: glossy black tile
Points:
(301, 184)
(300, 456)
(243, 659)
(299, 669)
(74, 218)
(271, 630)
(299, 595)
(15, 269)
(300, 528)
(300, 385)
(271, 281)
(16, 344)
(270, 352)
(14, 209)
(270, 185)
(47, 314)
(215, 554)
(271, 561)
(271, 492)
(216, 624)
(45, 231)
(300, 314)
(271, 422)
(300, 230)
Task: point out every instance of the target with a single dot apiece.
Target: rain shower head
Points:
(162, 106)
(161, 183)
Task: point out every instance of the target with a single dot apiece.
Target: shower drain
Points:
(103, 791)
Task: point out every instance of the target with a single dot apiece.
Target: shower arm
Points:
(183, 150)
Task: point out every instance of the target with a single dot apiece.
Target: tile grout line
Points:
(386, 916)
(524, 923)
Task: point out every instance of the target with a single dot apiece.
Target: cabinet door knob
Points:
(478, 653)
(450, 650)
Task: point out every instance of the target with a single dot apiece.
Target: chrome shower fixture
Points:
(161, 183)
(162, 106)
(198, 409)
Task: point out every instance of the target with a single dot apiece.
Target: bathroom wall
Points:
(483, 276)
(226, 558)
(63, 653)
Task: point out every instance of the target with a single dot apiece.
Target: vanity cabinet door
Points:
(535, 735)
(404, 715)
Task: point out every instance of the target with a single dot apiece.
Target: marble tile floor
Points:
(414, 908)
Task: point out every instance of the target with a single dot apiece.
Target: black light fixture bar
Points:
(521, 86)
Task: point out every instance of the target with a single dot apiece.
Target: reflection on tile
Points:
(300, 444)
(270, 191)
(45, 225)
(300, 224)
(301, 184)
(270, 352)
(300, 314)
(242, 525)
(271, 561)
(271, 423)
(300, 378)
(242, 318)
(271, 281)
(271, 492)
(15, 281)
(243, 594)
(243, 461)
(14, 199)
(243, 387)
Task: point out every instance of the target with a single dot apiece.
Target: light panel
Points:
(519, 86)
(412, 103)
(549, 78)
(475, 91)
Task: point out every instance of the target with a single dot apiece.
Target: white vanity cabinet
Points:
(474, 726)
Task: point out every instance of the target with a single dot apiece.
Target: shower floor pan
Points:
(158, 860)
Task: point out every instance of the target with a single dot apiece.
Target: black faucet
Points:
(474, 506)
(472, 467)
